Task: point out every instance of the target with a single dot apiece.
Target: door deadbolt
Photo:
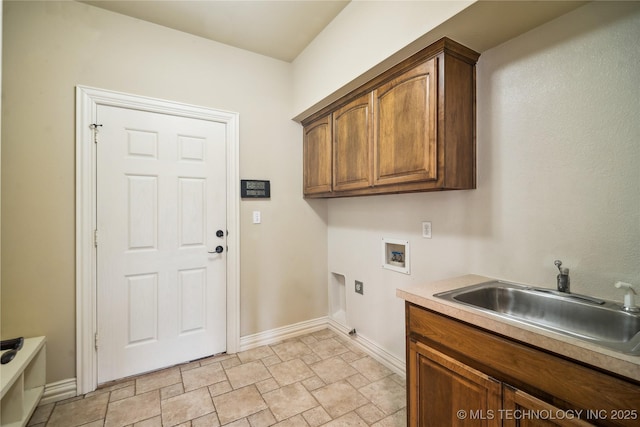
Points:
(220, 233)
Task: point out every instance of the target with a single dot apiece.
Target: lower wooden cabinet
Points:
(449, 393)
(523, 410)
(461, 375)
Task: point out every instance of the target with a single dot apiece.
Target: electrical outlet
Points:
(359, 287)
(426, 229)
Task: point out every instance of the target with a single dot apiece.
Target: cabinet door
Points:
(405, 113)
(446, 392)
(523, 410)
(317, 156)
(352, 138)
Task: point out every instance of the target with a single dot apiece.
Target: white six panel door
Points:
(161, 184)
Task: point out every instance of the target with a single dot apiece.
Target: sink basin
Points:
(597, 321)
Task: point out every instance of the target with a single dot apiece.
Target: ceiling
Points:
(279, 29)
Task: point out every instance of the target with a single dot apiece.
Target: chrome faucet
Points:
(563, 277)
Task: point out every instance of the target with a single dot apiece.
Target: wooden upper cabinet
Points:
(352, 138)
(412, 128)
(317, 156)
(405, 116)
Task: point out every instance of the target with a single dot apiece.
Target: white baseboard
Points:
(66, 389)
(392, 362)
(279, 334)
(58, 391)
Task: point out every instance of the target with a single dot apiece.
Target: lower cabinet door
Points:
(523, 410)
(446, 392)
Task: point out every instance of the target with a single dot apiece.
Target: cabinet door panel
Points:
(352, 145)
(448, 393)
(317, 156)
(523, 410)
(405, 148)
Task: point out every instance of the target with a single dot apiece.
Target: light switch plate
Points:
(257, 217)
(426, 229)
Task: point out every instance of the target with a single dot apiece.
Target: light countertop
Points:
(422, 295)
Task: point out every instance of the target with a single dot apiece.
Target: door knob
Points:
(220, 233)
(219, 250)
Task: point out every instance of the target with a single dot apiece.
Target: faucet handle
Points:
(629, 296)
(561, 269)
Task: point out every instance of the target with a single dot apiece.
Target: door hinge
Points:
(95, 238)
(95, 127)
(96, 340)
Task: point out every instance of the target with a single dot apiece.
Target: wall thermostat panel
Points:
(255, 189)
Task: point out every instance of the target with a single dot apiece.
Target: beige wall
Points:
(557, 167)
(363, 35)
(49, 48)
(369, 37)
(558, 174)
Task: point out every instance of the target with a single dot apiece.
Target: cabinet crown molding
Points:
(444, 45)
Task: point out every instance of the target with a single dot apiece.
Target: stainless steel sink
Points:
(597, 321)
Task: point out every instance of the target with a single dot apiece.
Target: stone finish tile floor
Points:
(319, 379)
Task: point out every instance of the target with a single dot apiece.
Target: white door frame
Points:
(87, 101)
